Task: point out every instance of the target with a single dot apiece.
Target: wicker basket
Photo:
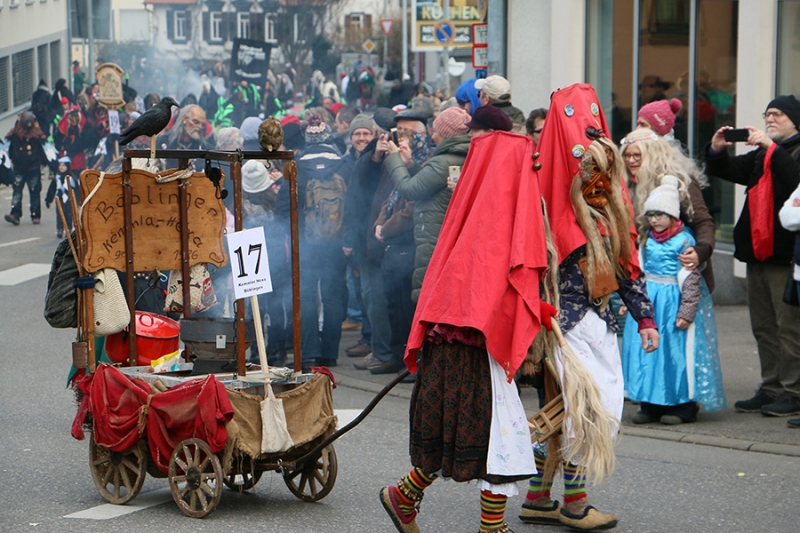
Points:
(547, 421)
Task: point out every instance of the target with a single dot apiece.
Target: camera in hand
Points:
(736, 135)
(394, 137)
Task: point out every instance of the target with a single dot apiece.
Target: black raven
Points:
(151, 122)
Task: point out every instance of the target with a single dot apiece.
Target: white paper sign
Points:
(249, 263)
(113, 121)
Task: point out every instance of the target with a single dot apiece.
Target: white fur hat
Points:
(665, 198)
(255, 177)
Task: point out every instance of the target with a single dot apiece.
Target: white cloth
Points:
(510, 452)
(596, 346)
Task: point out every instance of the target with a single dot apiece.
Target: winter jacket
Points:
(427, 187)
(747, 169)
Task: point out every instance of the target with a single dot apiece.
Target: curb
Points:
(628, 430)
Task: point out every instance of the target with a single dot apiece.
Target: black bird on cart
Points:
(150, 123)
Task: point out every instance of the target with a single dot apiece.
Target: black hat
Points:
(412, 114)
(489, 117)
(789, 105)
(293, 136)
(384, 118)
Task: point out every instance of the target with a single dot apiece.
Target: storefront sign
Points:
(436, 24)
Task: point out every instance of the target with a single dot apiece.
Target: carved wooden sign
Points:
(156, 221)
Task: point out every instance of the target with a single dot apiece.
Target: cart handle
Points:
(314, 454)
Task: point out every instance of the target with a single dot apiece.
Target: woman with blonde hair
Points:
(648, 158)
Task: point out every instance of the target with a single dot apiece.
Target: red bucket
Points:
(156, 335)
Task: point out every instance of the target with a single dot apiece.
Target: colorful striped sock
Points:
(538, 487)
(493, 507)
(416, 482)
(574, 484)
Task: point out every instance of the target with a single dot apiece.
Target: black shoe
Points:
(793, 422)
(754, 404)
(389, 367)
(784, 405)
(644, 418)
(12, 218)
(327, 362)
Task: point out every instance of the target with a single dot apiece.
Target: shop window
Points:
(788, 71)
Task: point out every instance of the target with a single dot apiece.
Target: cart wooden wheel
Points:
(242, 481)
(316, 479)
(195, 478)
(118, 476)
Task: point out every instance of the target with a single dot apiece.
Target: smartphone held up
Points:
(736, 135)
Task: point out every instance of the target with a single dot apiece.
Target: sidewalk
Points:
(727, 428)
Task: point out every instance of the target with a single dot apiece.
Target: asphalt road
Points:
(658, 486)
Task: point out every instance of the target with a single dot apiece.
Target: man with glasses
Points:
(771, 173)
(535, 123)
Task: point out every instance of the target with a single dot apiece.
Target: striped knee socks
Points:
(493, 507)
(538, 487)
(574, 483)
(414, 484)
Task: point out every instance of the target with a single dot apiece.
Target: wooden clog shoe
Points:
(590, 520)
(404, 523)
(547, 515)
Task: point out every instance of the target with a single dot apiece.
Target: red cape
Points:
(491, 253)
(572, 110)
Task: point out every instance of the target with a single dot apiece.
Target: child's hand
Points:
(47, 204)
(682, 323)
(623, 310)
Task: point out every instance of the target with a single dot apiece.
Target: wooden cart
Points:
(132, 210)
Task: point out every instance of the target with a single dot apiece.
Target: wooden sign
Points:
(109, 83)
(156, 221)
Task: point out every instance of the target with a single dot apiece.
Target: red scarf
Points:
(761, 206)
(667, 234)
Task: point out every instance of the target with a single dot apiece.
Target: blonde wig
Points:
(659, 158)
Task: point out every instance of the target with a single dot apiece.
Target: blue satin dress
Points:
(661, 377)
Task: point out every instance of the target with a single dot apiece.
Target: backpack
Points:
(324, 208)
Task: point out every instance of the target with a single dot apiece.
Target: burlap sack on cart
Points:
(309, 415)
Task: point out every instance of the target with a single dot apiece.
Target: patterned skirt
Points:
(451, 413)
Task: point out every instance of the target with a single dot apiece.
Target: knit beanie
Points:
(293, 136)
(317, 131)
(361, 121)
(255, 177)
(789, 105)
(249, 128)
(452, 121)
(661, 114)
(665, 198)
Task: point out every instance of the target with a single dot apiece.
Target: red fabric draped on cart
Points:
(119, 406)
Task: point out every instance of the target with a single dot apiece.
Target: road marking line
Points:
(345, 416)
(108, 511)
(12, 243)
(21, 274)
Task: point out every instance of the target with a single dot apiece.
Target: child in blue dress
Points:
(684, 372)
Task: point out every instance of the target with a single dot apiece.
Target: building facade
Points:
(33, 47)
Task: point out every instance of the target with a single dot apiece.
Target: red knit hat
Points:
(661, 114)
(452, 121)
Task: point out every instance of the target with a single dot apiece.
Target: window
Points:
(269, 30)
(13, 3)
(216, 26)
(22, 76)
(4, 84)
(55, 61)
(42, 62)
(243, 25)
(788, 80)
(179, 27)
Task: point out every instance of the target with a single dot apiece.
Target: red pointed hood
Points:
(491, 253)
